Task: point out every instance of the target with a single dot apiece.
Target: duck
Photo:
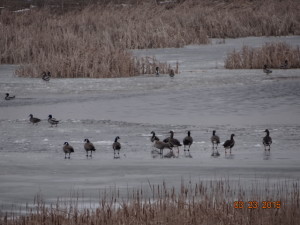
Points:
(153, 138)
(229, 143)
(88, 146)
(285, 65)
(174, 142)
(52, 120)
(157, 71)
(266, 69)
(267, 140)
(46, 76)
(172, 73)
(187, 141)
(116, 147)
(68, 149)
(7, 97)
(215, 140)
(34, 120)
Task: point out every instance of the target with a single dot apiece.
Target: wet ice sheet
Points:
(200, 99)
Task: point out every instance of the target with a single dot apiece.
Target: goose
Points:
(154, 138)
(67, 149)
(229, 143)
(174, 142)
(46, 76)
(161, 145)
(52, 120)
(267, 140)
(172, 73)
(215, 140)
(157, 71)
(116, 146)
(188, 141)
(34, 120)
(88, 146)
(285, 65)
(7, 97)
(266, 69)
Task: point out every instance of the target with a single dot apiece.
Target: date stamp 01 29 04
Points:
(256, 204)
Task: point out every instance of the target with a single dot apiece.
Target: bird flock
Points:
(169, 143)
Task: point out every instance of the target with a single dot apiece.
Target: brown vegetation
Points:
(92, 41)
(271, 54)
(202, 203)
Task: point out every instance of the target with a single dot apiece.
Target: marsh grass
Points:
(93, 40)
(272, 54)
(199, 203)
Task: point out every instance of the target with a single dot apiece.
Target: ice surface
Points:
(202, 98)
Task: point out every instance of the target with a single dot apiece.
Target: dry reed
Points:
(201, 203)
(93, 40)
(272, 54)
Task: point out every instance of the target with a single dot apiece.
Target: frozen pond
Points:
(203, 97)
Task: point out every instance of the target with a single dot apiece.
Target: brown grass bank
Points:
(92, 41)
(272, 54)
(200, 203)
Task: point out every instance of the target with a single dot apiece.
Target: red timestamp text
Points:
(257, 204)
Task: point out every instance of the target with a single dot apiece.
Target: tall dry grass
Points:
(200, 203)
(92, 41)
(272, 54)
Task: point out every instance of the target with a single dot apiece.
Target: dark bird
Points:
(266, 69)
(46, 76)
(174, 142)
(52, 121)
(154, 138)
(229, 143)
(267, 141)
(161, 145)
(172, 73)
(188, 141)
(215, 140)
(285, 65)
(116, 147)
(34, 120)
(67, 149)
(7, 97)
(89, 147)
(157, 71)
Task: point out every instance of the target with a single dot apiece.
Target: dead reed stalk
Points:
(272, 54)
(92, 41)
(216, 202)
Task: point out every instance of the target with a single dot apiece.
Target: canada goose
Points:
(88, 146)
(188, 141)
(161, 145)
(285, 65)
(267, 140)
(67, 149)
(157, 71)
(116, 146)
(46, 76)
(172, 73)
(229, 143)
(34, 120)
(215, 140)
(154, 138)
(266, 69)
(7, 97)
(174, 142)
(52, 121)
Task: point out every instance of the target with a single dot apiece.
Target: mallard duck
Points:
(52, 121)
(34, 120)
